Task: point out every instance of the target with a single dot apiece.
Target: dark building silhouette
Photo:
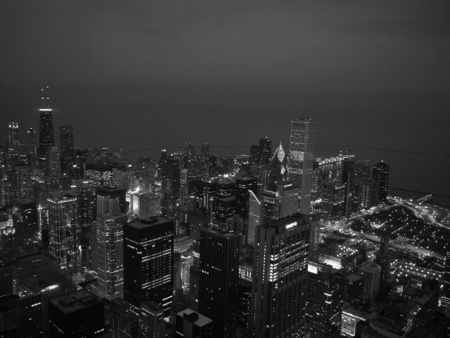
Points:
(348, 178)
(66, 148)
(148, 262)
(219, 275)
(78, 314)
(381, 182)
(254, 154)
(191, 324)
(265, 150)
(204, 159)
(46, 138)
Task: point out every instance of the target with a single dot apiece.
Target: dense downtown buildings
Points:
(273, 243)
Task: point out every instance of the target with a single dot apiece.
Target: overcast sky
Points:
(143, 74)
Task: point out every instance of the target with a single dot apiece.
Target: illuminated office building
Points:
(66, 148)
(323, 299)
(280, 203)
(46, 139)
(280, 260)
(301, 158)
(63, 227)
(86, 206)
(148, 263)
(108, 253)
(219, 275)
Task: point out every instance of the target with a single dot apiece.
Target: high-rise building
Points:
(66, 147)
(348, 178)
(109, 247)
(280, 260)
(46, 139)
(302, 160)
(31, 147)
(254, 155)
(63, 227)
(363, 184)
(86, 196)
(78, 314)
(243, 187)
(323, 299)
(254, 216)
(371, 274)
(204, 159)
(381, 181)
(170, 186)
(54, 161)
(148, 263)
(219, 275)
(279, 203)
(277, 169)
(13, 136)
(265, 150)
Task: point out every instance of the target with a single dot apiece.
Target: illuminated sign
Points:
(291, 225)
(312, 268)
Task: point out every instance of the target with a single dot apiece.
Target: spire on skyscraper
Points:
(45, 98)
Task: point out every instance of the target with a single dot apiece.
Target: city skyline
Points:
(370, 75)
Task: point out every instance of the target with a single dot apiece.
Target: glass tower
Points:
(302, 160)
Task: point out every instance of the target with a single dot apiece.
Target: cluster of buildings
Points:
(193, 245)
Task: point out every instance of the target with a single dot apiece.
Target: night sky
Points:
(140, 74)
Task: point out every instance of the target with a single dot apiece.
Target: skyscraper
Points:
(204, 158)
(46, 139)
(381, 180)
(109, 247)
(148, 263)
(280, 260)
(63, 223)
(323, 298)
(54, 161)
(31, 147)
(13, 136)
(265, 150)
(302, 160)
(254, 216)
(219, 275)
(66, 147)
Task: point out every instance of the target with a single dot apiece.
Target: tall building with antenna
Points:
(302, 160)
(46, 138)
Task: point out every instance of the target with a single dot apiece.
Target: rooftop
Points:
(75, 301)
